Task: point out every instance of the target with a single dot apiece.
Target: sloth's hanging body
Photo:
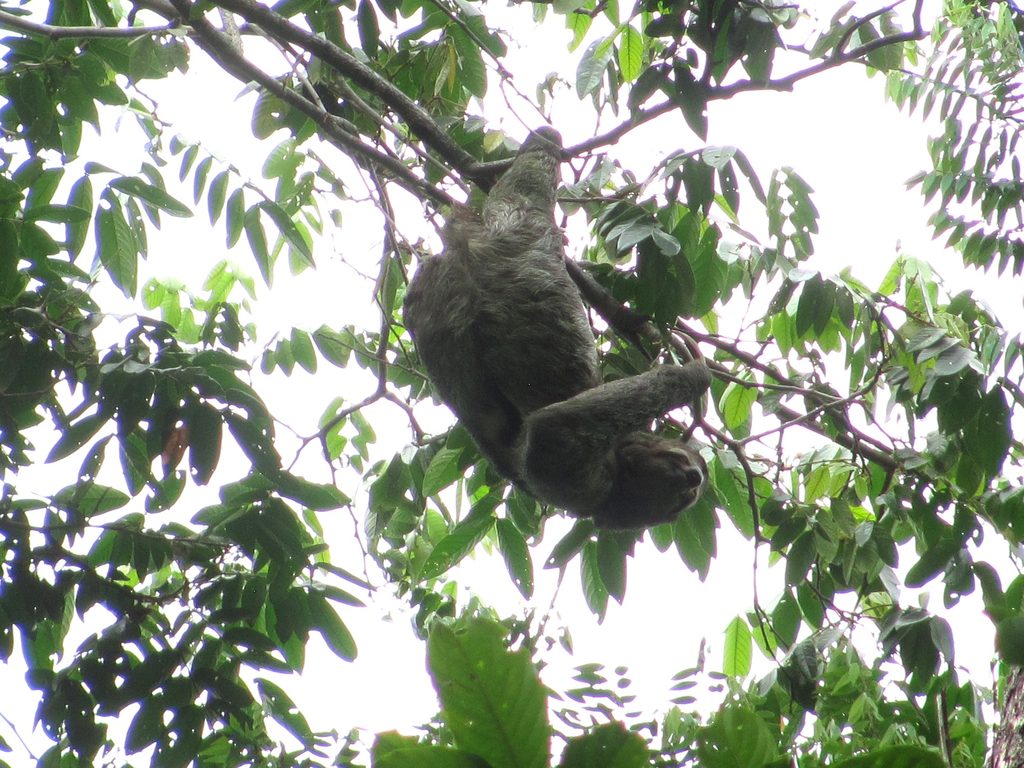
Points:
(504, 335)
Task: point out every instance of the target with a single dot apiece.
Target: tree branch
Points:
(420, 122)
(220, 47)
(20, 24)
(787, 83)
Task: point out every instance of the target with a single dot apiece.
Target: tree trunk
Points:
(1008, 749)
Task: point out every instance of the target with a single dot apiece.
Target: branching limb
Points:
(856, 441)
(38, 29)
(219, 46)
(345, 64)
(838, 58)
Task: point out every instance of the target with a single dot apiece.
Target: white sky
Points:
(834, 129)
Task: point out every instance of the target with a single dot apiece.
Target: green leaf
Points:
(817, 483)
(516, 554)
(736, 404)
(199, 181)
(694, 535)
(423, 756)
(90, 499)
(369, 30)
(800, 557)
(334, 632)
(611, 565)
(443, 470)
(283, 710)
(288, 230)
(594, 589)
(302, 350)
(735, 737)
(316, 496)
(118, 252)
(932, 562)
(814, 309)
(155, 196)
(76, 435)
(472, 72)
(79, 197)
(217, 195)
(631, 54)
(590, 70)
(457, 544)
(205, 428)
(491, 698)
(738, 650)
(608, 745)
(903, 756)
(991, 434)
(335, 347)
(236, 216)
(61, 214)
(954, 360)
(258, 242)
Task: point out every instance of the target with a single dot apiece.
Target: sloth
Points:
(505, 338)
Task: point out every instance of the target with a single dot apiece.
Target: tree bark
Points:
(1008, 748)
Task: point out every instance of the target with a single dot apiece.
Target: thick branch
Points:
(220, 47)
(418, 119)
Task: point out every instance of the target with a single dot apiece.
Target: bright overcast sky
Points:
(856, 152)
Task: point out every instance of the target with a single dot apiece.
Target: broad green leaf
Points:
(288, 230)
(738, 650)
(258, 242)
(491, 698)
(284, 710)
(199, 180)
(611, 565)
(736, 404)
(594, 589)
(91, 499)
(608, 745)
(735, 737)
(472, 72)
(800, 557)
(456, 545)
(205, 427)
(424, 756)
(118, 252)
(236, 216)
(902, 756)
(217, 195)
(932, 562)
(155, 196)
(316, 496)
(442, 471)
(516, 554)
(302, 349)
(590, 70)
(694, 535)
(75, 436)
(631, 53)
(61, 214)
(369, 30)
(334, 632)
(335, 347)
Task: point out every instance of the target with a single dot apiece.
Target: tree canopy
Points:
(165, 568)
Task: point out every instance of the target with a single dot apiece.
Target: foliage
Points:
(134, 597)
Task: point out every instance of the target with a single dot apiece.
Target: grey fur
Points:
(504, 335)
